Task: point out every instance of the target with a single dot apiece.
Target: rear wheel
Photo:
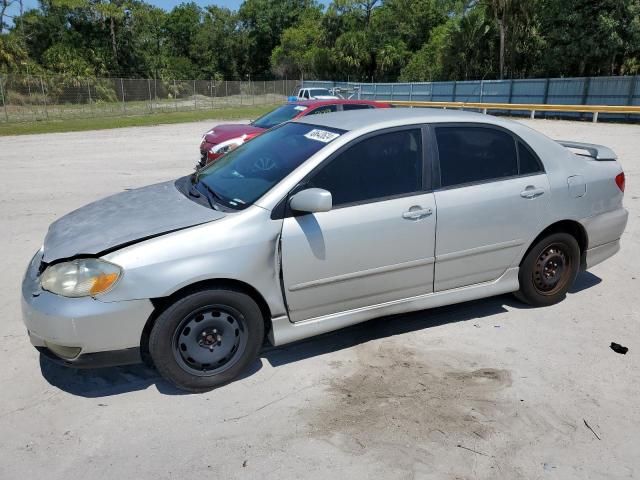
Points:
(548, 270)
(206, 339)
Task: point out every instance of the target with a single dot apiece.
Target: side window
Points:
(528, 161)
(306, 94)
(377, 167)
(354, 106)
(324, 109)
(473, 154)
(300, 93)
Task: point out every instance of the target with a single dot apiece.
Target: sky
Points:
(166, 4)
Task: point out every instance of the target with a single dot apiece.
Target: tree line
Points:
(358, 40)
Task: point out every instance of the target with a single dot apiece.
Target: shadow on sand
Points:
(104, 382)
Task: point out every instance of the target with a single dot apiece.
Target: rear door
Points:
(492, 198)
(377, 243)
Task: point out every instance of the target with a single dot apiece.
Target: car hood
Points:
(222, 133)
(122, 219)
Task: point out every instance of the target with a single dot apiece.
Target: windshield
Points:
(320, 92)
(243, 175)
(279, 115)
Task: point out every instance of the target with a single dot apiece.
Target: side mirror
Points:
(311, 200)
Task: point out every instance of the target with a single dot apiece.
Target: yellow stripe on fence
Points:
(530, 107)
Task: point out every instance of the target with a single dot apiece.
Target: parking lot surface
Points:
(487, 389)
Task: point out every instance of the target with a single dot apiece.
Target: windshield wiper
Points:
(212, 195)
(211, 192)
(194, 192)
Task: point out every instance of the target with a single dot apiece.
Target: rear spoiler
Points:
(597, 152)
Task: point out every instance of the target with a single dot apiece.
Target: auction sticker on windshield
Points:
(321, 135)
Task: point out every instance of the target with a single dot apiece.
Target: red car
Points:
(223, 138)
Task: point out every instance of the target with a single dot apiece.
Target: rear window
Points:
(475, 154)
(529, 163)
(279, 115)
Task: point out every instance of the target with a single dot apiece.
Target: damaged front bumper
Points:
(82, 331)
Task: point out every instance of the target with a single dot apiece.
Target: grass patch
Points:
(101, 123)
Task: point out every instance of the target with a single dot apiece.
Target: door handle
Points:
(416, 213)
(531, 192)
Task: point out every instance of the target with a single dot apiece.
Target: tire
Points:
(549, 270)
(206, 339)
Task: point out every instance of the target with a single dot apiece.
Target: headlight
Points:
(227, 146)
(80, 278)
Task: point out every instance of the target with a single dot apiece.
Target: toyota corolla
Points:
(320, 223)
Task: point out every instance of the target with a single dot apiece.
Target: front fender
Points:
(242, 247)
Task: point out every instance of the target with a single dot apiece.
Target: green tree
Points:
(14, 58)
(148, 39)
(299, 51)
(216, 47)
(583, 37)
(428, 63)
(265, 21)
(355, 39)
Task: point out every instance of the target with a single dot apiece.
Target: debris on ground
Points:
(472, 450)
(592, 430)
(616, 347)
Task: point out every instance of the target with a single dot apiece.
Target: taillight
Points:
(620, 181)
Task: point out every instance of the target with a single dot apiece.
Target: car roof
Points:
(337, 101)
(391, 117)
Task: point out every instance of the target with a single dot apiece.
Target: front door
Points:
(491, 203)
(377, 243)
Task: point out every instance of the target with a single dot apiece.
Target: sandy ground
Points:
(488, 389)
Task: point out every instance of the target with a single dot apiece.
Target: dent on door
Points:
(358, 256)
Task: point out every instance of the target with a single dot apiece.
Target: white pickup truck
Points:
(316, 94)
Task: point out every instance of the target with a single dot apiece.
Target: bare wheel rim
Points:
(552, 269)
(210, 340)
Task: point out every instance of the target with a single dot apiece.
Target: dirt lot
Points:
(488, 389)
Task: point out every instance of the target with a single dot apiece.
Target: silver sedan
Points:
(315, 225)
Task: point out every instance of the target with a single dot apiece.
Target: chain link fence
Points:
(37, 98)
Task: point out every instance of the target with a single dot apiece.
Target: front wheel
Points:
(549, 270)
(206, 339)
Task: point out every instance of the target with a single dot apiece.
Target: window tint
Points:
(279, 115)
(353, 106)
(528, 162)
(473, 154)
(243, 175)
(324, 109)
(381, 166)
